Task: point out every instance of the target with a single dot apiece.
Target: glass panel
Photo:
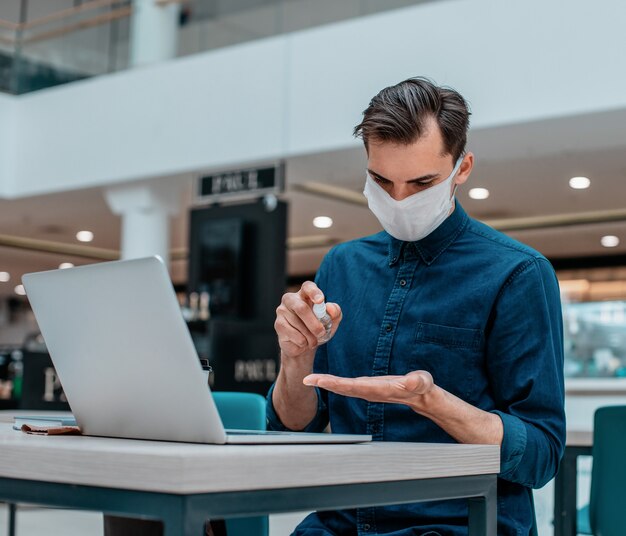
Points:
(44, 43)
(594, 315)
(595, 339)
(209, 24)
(58, 41)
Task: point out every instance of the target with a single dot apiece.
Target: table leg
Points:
(173, 525)
(483, 515)
(12, 514)
(183, 522)
(565, 492)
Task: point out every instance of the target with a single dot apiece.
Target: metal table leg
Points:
(12, 514)
(482, 514)
(565, 491)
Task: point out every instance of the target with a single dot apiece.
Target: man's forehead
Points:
(429, 146)
(406, 162)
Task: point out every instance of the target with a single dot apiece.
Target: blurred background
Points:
(217, 133)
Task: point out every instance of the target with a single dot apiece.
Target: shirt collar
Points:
(433, 245)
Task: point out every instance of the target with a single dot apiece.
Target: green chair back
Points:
(243, 411)
(607, 505)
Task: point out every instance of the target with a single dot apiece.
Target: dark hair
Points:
(399, 113)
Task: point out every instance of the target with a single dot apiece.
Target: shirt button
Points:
(394, 259)
(367, 527)
(402, 282)
(388, 328)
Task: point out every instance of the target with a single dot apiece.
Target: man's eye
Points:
(380, 181)
(425, 183)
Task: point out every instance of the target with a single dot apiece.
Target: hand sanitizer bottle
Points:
(319, 309)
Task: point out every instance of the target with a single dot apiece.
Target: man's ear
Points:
(466, 168)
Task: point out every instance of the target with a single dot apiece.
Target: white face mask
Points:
(416, 216)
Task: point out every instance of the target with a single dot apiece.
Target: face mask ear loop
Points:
(457, 167)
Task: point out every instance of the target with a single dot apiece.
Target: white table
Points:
(184, 484)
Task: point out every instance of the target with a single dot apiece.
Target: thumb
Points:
(334, 311)
(419, 382)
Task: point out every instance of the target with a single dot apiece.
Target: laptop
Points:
(126, 360)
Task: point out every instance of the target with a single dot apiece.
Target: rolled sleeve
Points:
(525, 365)
(513, 444)
(318, 423)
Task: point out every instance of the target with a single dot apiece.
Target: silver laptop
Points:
(126, 359)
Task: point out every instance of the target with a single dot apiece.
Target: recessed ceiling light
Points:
(4, 277)
(609, 241)
(65, 265)
(322, 222)
(19, 290)
(84, 236)
(479, 193)
(579, 183)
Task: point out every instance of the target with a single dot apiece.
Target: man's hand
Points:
(298, 329)
(407, 389)
(464, 422)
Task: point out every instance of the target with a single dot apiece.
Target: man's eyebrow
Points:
(418, 179)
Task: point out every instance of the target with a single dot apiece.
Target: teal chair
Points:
(243, 411)
(606, 513)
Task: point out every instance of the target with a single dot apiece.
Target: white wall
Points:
(303, 92)
(515, 62)
(8, 147)
(163, 120)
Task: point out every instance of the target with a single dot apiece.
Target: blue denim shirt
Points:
(479, 311)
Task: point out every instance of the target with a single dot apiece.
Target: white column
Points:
(145, 210)
(153, 32)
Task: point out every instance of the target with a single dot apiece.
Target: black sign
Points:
(41, 387)
(247, 183)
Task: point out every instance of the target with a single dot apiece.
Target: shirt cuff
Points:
(318, 423)
(513, 443)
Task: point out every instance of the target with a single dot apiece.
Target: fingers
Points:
(374, 389)
(287, 333)
(296, 325)
(324, 381)
(309, 291)
(293, 337)
(306, 336)
(390, 389)
(297, 307)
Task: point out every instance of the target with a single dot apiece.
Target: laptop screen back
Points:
(123, 352)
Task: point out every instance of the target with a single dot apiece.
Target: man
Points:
(452, 331)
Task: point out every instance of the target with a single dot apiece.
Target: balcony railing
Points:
(44, 43)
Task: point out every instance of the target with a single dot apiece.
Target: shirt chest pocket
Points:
(453, 355)
(448, 336)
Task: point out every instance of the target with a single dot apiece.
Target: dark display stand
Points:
(238, 255)
(41, 388)
(36, 386)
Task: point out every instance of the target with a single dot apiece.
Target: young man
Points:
(452, 331)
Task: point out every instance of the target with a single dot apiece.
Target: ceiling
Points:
(521, 186)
